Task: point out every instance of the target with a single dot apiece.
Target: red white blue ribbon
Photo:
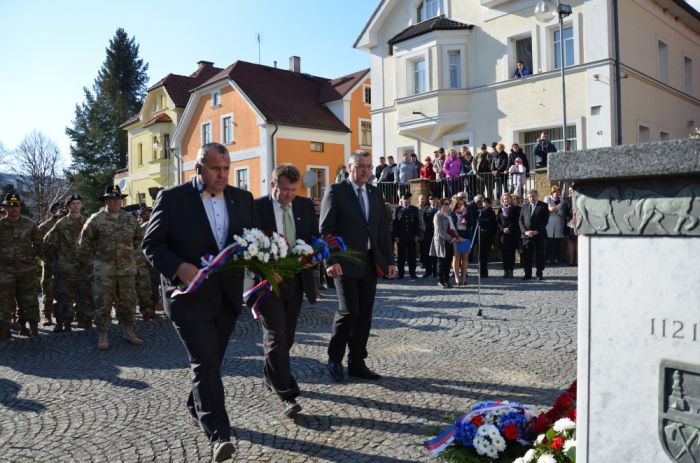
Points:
(263, 286)
(437, 444)
(209, 264)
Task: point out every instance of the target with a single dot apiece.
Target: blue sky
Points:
(50, 50)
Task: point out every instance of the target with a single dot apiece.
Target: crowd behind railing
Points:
(490, 172)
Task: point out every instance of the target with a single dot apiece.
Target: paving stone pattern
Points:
(63, 400)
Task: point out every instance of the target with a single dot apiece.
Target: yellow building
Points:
(151, 165)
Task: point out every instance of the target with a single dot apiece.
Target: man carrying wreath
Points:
(294, 218)
(192, 220)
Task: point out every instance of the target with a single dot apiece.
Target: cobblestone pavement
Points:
(63, 400)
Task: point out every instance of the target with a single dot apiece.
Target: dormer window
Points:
(428, 9)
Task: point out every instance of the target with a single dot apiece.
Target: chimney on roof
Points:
(275, 64)
(295, 64)
(204, 64)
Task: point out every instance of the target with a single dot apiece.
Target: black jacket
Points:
(537, 221)
(178, 232)
(406, 223)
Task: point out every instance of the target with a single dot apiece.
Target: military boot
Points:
(87, 325)
(58, 328)
(131, 337)
(103, 342)
(23, 330)
(5, 334)
(67, 327)
(34, 328)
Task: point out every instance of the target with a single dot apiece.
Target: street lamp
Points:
(546, 11)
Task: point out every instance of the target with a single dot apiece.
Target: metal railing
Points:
(485, 184)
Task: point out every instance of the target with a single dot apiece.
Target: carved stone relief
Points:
(679, 411)
(639, 208)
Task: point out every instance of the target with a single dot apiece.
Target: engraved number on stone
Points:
(680, 328)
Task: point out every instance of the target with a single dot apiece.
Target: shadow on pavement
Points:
(8, 398)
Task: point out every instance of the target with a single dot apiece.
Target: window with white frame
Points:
(242, 178)
(316, 146)
(428, 9)
(662, 61)
(227, 130)
(206, 133)
(688, 75)
(156, 143)
(367, 94)
(365, 133)
(215, 98)
(419, 77)
(319, 189)
(568, 33)
(454, 60)
(460, 143)
(528, 140)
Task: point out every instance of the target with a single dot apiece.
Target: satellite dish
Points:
(122, 184)
(310, 179)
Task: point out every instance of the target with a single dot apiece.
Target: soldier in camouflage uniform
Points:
(70, 285)
(19, 281)
(110, 240)
(47, 277)
(147, 294)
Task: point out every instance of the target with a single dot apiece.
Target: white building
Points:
(442, 73)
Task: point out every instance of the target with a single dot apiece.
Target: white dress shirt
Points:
(217, 214)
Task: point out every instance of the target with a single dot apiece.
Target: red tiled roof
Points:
(282, 96)
(157, 119)
(179, 87)
(337, 88)
(135, 118)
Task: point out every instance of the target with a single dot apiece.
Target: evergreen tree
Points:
(99, 146)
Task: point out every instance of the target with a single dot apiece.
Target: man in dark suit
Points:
(533, 225)
(355, 210)
(189, 221)
(406, 232)
(294, 218)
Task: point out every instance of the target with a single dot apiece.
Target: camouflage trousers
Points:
(19, 291)
(147, 291)
(119, 291)
(47, 290)
(70, 290)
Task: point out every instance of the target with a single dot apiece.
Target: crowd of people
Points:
(445, 234)
(490, 172)
(84, 267)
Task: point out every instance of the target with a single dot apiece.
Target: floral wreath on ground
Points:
(502, 431)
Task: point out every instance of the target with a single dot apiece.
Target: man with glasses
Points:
(355, 210)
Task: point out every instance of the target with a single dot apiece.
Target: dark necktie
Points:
(361, 199)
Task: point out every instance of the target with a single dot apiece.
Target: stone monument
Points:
(638, 213)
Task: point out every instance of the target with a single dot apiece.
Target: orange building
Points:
(266, 116)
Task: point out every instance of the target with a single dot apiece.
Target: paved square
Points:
(63, 400)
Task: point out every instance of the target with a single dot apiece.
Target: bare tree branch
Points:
(37, 163)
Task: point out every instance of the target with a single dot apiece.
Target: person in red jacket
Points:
(426, 171)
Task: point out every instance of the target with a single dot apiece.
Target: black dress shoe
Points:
(541, 278)
(526, 277)
(362, 372)
(336, 371)
(413, 276)
(291, 408)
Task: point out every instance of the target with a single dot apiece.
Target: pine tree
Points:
(99, 146)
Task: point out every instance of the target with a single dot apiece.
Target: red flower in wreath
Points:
(477, 420)
(542, 423)
(564, 402)
(571, 414)
(557, 443)
(510, 431)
